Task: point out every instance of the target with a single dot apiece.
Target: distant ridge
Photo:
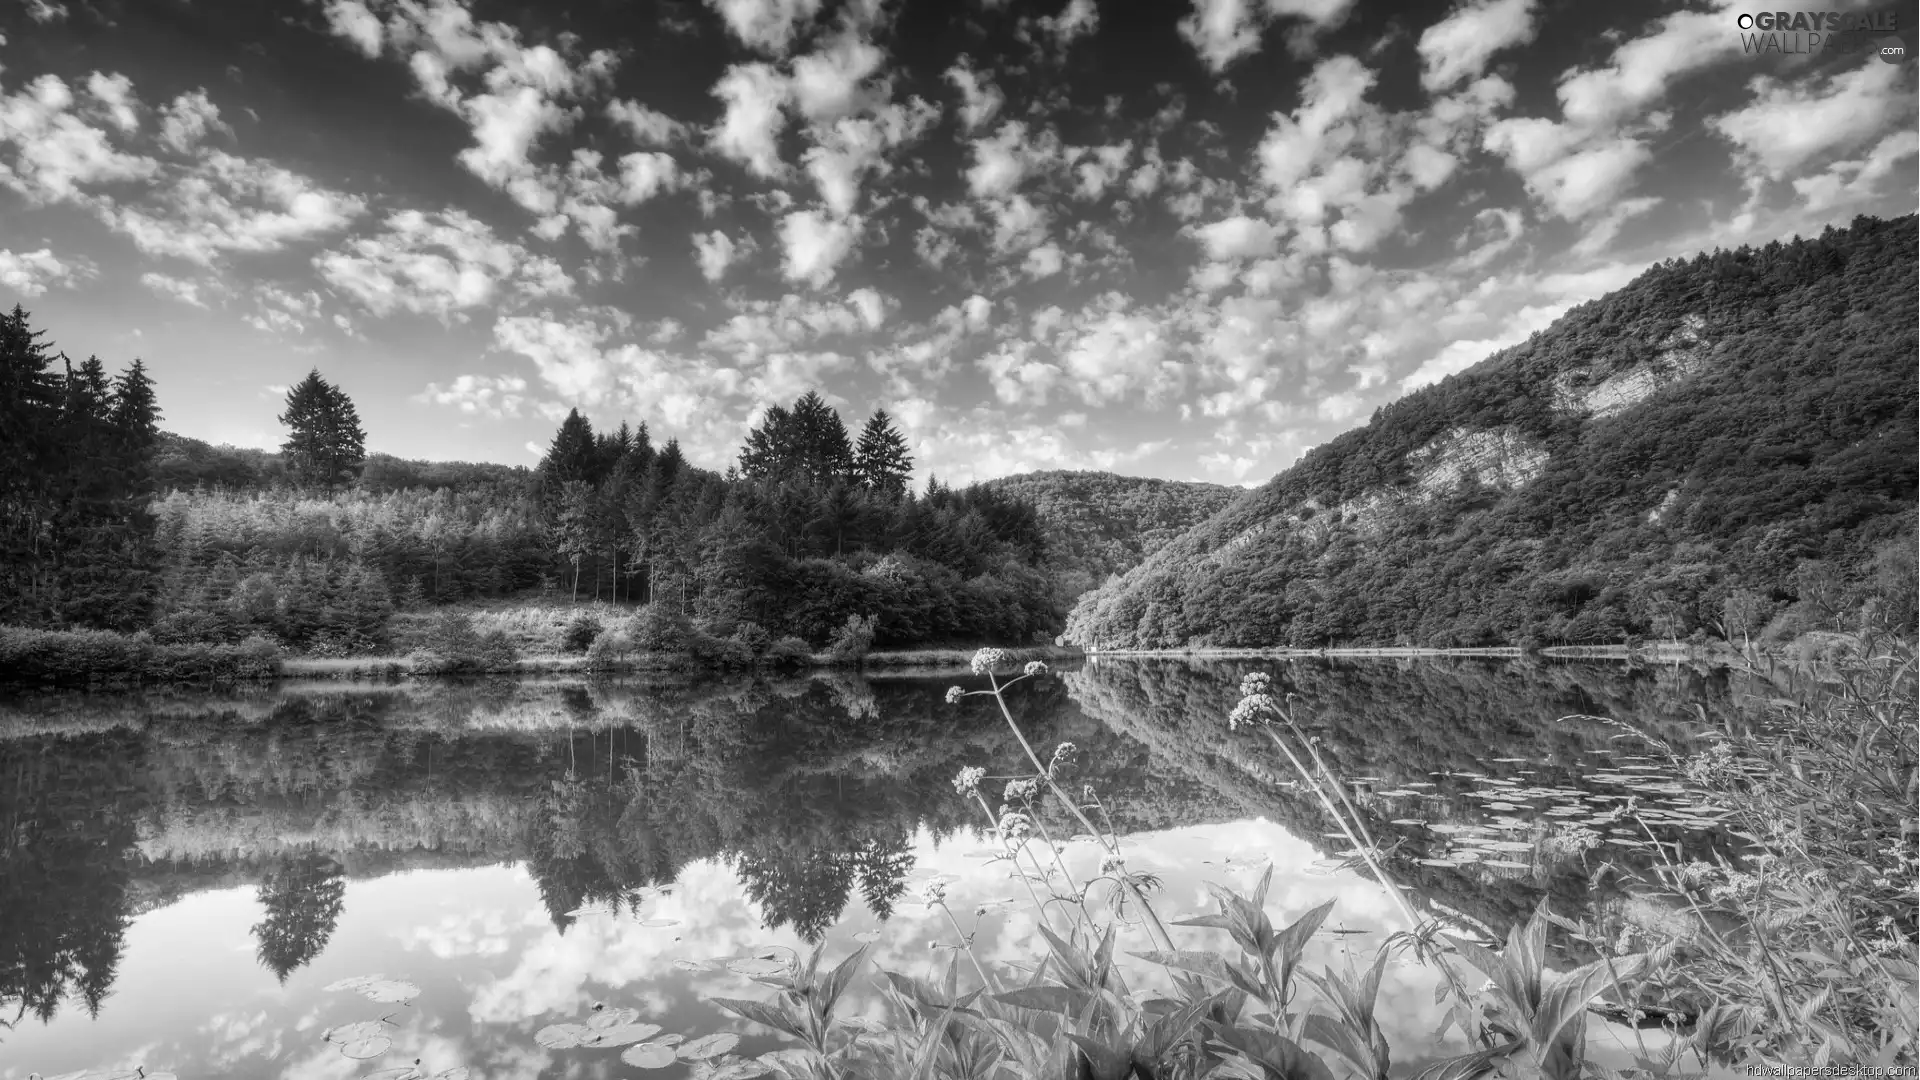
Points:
(1725, 446)
(1099, 524)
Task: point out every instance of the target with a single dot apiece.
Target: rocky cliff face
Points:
(1683, 353)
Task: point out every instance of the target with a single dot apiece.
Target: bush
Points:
(753, 638)
(789, 651)
(719, 652)
(453, 647)
(658, 628)
(609, 650)
(77, 657)
(581, 633)
(852, 641)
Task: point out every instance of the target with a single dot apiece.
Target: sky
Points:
(1189, 239)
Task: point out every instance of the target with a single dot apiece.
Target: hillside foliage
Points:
(1099, 524)
(1725, 447)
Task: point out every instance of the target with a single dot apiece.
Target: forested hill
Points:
(1726, 446)
(1098, 524)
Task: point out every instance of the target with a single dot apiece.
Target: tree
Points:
(325, 443)
(881, 460)
(303, 898)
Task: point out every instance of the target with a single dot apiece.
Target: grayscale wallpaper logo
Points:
(1886, 32)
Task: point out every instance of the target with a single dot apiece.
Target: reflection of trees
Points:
(64, 875)
(303, 897)
(810, 788)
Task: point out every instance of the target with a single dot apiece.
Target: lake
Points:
(184, 874)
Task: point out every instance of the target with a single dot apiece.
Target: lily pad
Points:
(650, 1055)
(709, 1046)
(653, 924)
(604, 1018)
(378, 988)
(359, 1029)
(739, 1070)
(623, 1035)
(867, 937)
(370, 1047)
(756, 966)
(694, 965)
(561, 1036)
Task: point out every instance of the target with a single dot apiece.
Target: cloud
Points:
(831, 82)
(224, 203)
(1002, 163)
(755, 96)
(46, 11)
(1458, 47)
(442, 265)
(31, 273)
(649, 127)
(715, 252)
(1790, 126)
(492, 396)
(51, 153)
(352, 20)
(767, 25)
(980, 100)
(1846, 183)
(188, 119)
(814, 245)
(1223, 31)
(1237, 237)
(181, 289)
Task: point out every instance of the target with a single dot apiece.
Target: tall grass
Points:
(1799, 955)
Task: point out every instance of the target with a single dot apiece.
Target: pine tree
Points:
(881, 460)
(325, 443)
(823, 451)
(30, 397)
(770, 445)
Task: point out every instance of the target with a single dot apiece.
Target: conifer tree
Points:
(881, 460)
(325, 443)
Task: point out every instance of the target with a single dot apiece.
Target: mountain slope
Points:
(1724, 446)
(1099, 524)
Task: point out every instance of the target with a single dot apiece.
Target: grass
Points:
(1798, 956)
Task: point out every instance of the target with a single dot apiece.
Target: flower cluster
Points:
(985, 659)
(1572, 840)
(1258, 682)
(1015, 827)
(968, 779)
(1036, 667)
(954, 694)
(1252, 709)
(1022, 791)
(1713, 766)
(1061, 755)
(934, 892)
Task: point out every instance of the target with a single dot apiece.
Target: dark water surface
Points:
(184, 874)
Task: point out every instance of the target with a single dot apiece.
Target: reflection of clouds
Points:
(233, 1037)
(483, 932)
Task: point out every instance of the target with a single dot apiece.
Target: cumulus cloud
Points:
(1237, 237)
(442, 265)
(980, 100)
(767, 25)
(182, 289)
(815, 244)
(492, 396)
(31, 273)
(1223, 31)
(1788, 126)
(188, 119)
(225, 203)
(1458, 47)
(52, 153)
(647, 126)
(755, 96)
(714, 252)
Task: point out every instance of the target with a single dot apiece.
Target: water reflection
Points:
(787, 810)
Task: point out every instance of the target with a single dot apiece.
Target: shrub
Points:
(77, 657)
(719, 652)
(658, 628)
(609, 650)
(852, 641)
(581, 633)
(452, 647)
(789, 651)
(753, 638)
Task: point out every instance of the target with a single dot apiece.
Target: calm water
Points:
(183, 875)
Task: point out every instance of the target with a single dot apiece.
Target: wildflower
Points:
(1573, 840)
(968, 779)
(1112, 864)
(1014, 826)
(1061, 754)
(1036, 667)
(1258, 682)
(1022, 791)
(1738, 885)
(934, 892)
(1713, 766)
(984, 660)
(954, 694)
(1250, 710)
